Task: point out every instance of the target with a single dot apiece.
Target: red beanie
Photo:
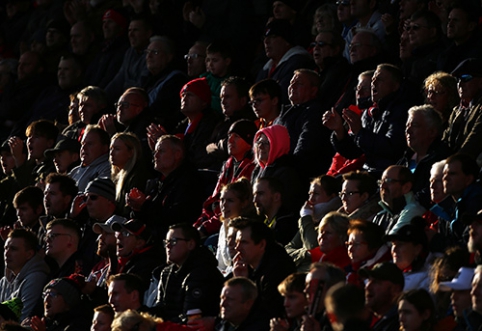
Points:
(117, 17)
(199, 87)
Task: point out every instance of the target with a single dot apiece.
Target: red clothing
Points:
(341, 165)
(170, 326)
(338, 256)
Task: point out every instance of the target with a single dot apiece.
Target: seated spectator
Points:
(65, 154)
(82, 42)
(263, 261)
(322, 199)
(60, 190)
(63, 309)
(265, 98)
(195, 59)
(240, 307)
(425, 147)
(462, 134)
(268, 198)
(442, 94)
(366, 247)
(191, 280)
(126, 291)
(359, 195)
(26, 272)
(416, 310)
(173, 197)
(218, 68)
(240, 164)
(103, 317)
(384, 285)
(295, 302)
(397, 200)
(292, 12)
(129, 319)
(28, 203)
(409, 252)
(94, 157)
(57, 42)
(284, 56)
(127, 167)
(474, 317)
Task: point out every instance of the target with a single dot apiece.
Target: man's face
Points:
(63, 160)
(360, 8)
(419, 33)
(294, 303)
(231, 241)
(282, 11)
(196, 64)
(54, 303)
(80, 39)
(232, 306)
(437, 193)
(130, 105)
(361, 47)
(119, 298)
(156, 59)
(58, 241)
(248, 249)
(378, 294)
(320, 52)
(317, 194)
(391, 187)
(139, 35)
(165, 157)
(275, 47)
(454, 180)
(177, 253)
(106, 243)
(300, 89)
(263, 197)
(68, 75)
(7, 161)
(237, 146)
(36, 146)
(28, 65)
(91, 148)
(418, 134)
(101, 322)
(55, 202)
(469, 88)
(382, 85)
(27, 215)
(363, 88)
(460, 301)
(351, 197)
(314, 279)
(54, 38)
(126, 243)
(110, 29)
(16, 254)
(96, 206)
(475, 237)
(476, 292)
(343, 13)
(88, 107)
(231, 102)
(458, 26)
(262, 148)
(191, 103)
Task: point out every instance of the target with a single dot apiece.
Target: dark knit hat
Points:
(199, 87)
(70, 288)
(11, 310)
(102, 186)
(134, 227)
(246, 129)
(384, 271)
(64, 144)
(280, 28)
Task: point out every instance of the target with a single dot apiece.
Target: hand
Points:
(211, 148)
(37, 323)
(333, 121)
(240, 267)
(16, 148)
(202, 324)
(154, 132)
(135, 199)
(186, 9)
(78, 204)
(107, 123)
(388, 22)
(4, 232)
(307, 209)
(353, 120)
(309, 323)
(279, 324)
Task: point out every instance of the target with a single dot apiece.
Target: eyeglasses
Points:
(255, 102)
(262, 143)
(354, 243)
(192, 56)
(388, 181)
(153, 51)
(173, 241)
(52, 236)
(343, 3)
(319, 44)
(125, 104)
(434, 92)
(465, 78)
(415, 27)
(51, 294)
(347, 194)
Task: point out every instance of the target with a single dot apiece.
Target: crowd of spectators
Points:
(241, 165)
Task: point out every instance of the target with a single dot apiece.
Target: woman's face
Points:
(119, 153)
(438, 97)
(231, 205)
(357, 247)
(410, 318)
(404, 253)
(328, 239)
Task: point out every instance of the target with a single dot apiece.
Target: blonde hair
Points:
(126, 320)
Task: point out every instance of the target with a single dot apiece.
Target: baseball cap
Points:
(64, 144)
(461, 281)
(384, 271)
(107, 226)
(281, 28)
(134, 227)
(470, 66)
